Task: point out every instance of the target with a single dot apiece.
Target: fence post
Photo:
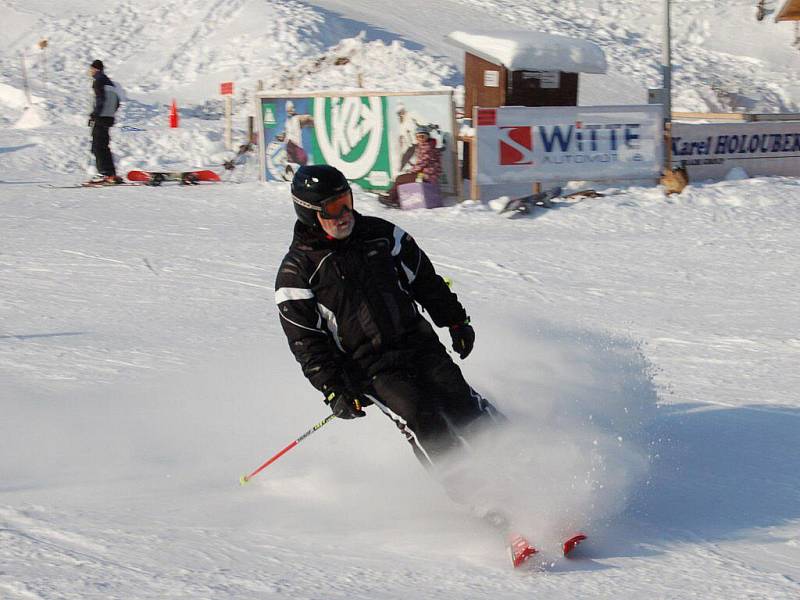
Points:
(474, 188)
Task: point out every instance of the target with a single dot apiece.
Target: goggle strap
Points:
(305, 204)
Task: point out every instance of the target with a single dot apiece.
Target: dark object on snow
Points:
(524, 204)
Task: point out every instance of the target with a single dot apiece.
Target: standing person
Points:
(427, 166)
(106, 103)
(349, 293)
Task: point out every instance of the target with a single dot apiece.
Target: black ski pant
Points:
(431, 403)
(100, 148)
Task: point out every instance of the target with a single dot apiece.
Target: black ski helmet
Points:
(311, 186)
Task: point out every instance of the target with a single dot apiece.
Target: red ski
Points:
(572, 542)
(519, 549)
(184, 177)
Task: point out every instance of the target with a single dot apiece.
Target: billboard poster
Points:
(711, 150)
(518, 144)
(370, 137)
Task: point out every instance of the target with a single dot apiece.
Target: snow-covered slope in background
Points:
(158, 51)
(644, 347)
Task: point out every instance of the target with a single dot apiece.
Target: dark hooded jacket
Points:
(350, 308)
(106, 99)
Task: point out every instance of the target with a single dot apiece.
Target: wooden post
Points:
(457, 170)
(251, 130)
(668, 146)
(537, 187)
(228, 122)
(474, 188)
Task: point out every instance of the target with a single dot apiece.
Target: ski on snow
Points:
(149, 178)
(520, 549)
(89, 184)
(518, 546)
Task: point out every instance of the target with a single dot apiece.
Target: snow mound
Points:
(356, 63)
(12, 97)
(32, 117)
(736, 174)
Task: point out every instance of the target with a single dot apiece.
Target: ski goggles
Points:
(334, 208)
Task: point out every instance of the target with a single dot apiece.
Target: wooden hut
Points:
(524, 68)
(790, 11)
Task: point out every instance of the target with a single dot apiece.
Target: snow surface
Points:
(517, 50)
(646, 348)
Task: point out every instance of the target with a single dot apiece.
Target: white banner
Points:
(588, 143)
(710, 151)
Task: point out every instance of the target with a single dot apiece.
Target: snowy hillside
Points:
(724, 60)
(645, 348)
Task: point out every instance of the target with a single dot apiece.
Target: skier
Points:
(348, 294)
(293, 134)
(406, 129)
(106, 103)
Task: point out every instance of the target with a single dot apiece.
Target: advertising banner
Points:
(709, 151)
(518, 144)
(369, 136)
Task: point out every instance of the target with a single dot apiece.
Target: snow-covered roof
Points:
(532, 50)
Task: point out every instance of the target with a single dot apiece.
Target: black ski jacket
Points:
(349, 307)
(106, 99)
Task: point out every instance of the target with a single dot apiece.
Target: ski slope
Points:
(645, 348)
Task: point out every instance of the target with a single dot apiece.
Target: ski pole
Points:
(245, 478)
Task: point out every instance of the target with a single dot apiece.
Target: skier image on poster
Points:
(293, 134)
(351, 293)
(406, 128)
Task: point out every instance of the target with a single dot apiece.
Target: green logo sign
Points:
(351, 136)
(269, 115)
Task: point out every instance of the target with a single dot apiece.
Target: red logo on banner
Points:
(487, 117)
(226, 89)
(516, 145)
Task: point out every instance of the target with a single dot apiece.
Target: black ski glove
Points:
(463, 336)
(344, 404)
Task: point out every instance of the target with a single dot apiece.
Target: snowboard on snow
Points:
(184, 177)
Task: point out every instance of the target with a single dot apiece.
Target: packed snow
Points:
(644, 347)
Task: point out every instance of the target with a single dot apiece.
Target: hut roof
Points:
(532, 51)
